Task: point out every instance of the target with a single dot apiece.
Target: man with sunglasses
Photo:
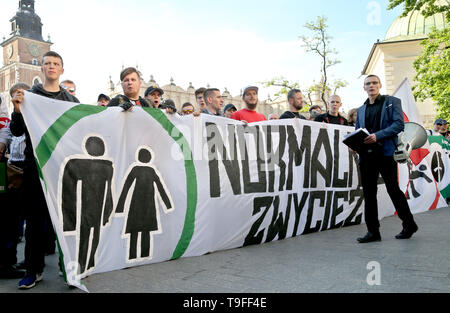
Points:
(69, 86)
(187, 109)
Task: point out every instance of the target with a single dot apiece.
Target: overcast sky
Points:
(224, 43)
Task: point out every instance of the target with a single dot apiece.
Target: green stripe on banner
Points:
(191, 180)
(441, 140)
(446, 192)
(41, 176)
(61, 260)
(53, 135)
(61, 263)
(51, 138)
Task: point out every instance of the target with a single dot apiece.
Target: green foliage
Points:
(430, 7)
(319, 42)
(338, 84)
(433, 65)
(433, 71)
(284, 84)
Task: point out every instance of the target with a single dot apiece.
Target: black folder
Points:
(355, 140)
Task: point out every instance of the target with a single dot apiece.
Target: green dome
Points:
(415, 26)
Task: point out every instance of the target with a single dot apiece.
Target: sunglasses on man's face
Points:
(188, 111)
(71, 89)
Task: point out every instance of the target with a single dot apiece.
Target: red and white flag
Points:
(4, 116)
(417, 180)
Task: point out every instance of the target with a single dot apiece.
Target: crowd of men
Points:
(39, 235)
(210, 101)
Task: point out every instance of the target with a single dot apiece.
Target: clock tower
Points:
(23, 51)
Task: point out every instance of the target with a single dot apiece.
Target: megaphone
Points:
(413, 137)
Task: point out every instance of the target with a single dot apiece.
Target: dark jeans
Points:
(16, 202)
(9, 226)
(17, 199)
(372, 165)
(37, 218)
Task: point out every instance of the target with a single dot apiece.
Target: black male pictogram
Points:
(87, 201)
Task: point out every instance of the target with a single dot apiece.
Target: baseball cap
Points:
(152, 89)
(250, 88)
(103, 96)
(168, 103)
(229, 107)
(440, 121)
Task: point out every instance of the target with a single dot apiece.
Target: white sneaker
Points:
(39, 277)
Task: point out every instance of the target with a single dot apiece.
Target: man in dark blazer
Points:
(383, 117)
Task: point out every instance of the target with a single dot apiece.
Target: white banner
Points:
(133, 188)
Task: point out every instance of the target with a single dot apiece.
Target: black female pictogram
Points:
(142, 214)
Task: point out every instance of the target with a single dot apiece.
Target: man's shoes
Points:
(407, 233)
(9, 272)
(29, 281)
(370, 237)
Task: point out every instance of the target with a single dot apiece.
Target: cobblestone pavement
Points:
(329, 262)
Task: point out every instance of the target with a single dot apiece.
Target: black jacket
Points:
(330, 119)
(18, 127)
(290, 115)
(120, 99)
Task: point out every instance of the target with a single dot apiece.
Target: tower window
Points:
(35, 62)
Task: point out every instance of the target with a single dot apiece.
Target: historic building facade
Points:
(23, 50)
(392, 59)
